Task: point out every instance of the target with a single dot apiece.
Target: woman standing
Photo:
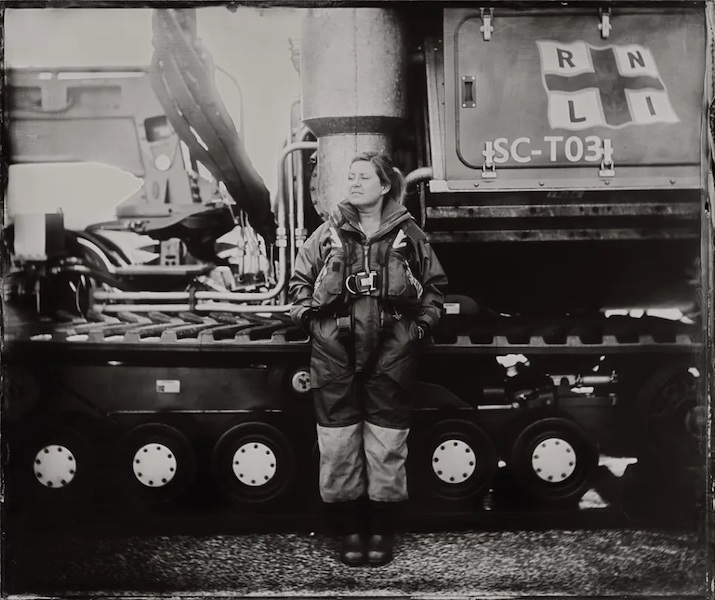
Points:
(366, 287)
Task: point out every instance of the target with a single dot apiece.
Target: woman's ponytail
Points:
(397, 189)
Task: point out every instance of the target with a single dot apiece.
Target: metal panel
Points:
(565, 210)
(571, 235)
(114, 142)
(547, 93)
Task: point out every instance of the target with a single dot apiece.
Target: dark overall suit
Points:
(365, 298)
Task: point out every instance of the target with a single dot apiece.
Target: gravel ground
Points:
(594, 563)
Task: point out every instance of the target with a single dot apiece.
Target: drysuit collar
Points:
(393, 213)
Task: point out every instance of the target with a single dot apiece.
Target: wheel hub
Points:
(301, 381)
(553, 460)
(696, 422)
(254, 464)
(154, 465)
(55, 466)
(454, 461)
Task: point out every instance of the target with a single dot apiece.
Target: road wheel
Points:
(57, 459)
(57, 464)
(456, 461)
(553, 460)
(252, 463)
(156, 463)
(671, 418)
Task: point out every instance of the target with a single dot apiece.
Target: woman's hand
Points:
(307, 319)
(423, 330)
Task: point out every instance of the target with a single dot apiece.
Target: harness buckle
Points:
(344, 325)
(361, 283)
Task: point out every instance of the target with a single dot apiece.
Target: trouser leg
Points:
(340, 440)
(385, 455)
(342, 481)
(387, 409)
(342, 463)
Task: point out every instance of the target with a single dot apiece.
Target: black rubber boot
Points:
(349, 517)
(352, 550)
(381, 542)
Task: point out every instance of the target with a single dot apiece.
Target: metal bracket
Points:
(489, 171)
(486, 28)
(605, 24)
(607, 167)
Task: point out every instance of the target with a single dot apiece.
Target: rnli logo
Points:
(612, 86)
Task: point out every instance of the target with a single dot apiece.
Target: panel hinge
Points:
(607, 167)
(488, 169)
(605, 22)
(486, 28)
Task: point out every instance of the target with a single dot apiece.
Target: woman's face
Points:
(365, 189)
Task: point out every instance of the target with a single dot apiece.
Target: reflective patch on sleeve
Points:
(335, 238)
(413, 280)
(400, 240)
(321, 276)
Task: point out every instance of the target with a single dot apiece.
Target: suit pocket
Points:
(329, 357)
(329, 283)
(401, 282)
(396, 275)
(399, 347)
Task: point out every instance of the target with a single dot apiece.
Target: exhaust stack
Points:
(353, 89)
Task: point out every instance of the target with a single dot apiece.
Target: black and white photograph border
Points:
(196, 302)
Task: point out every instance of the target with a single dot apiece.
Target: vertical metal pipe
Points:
(291, 212)
(282, 198)
(300, 186)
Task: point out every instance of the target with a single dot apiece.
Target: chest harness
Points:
(368, 281)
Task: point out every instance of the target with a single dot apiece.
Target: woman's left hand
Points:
(420, 332)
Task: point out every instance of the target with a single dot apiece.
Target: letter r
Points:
(565, 56)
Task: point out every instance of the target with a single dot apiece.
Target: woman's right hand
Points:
(307, 320)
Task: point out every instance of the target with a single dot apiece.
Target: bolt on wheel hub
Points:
(154, 465)
(254, 464)
(55, 466)
(553, 460)
(454, 461)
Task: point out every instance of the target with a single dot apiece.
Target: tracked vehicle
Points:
(555, 155)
